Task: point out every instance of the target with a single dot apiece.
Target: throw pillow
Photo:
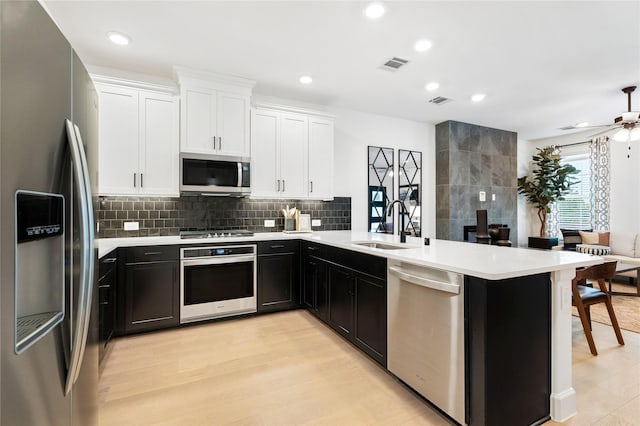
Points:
(571, 238)
(589, 237)
(603, 238)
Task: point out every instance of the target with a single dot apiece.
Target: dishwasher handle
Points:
(425, 282)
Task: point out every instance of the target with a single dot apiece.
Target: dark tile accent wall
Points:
(470, 159)
(169, 216)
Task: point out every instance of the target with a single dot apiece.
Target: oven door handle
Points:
(218, 260)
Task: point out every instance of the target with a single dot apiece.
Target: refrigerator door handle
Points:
(81, 176)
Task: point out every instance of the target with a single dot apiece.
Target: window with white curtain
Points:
(574, 212)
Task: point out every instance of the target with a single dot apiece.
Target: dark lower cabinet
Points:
(371, 316)
(150, 289)
(314, 287)
(342, 295)
(278, 275)
(508, 350)
(107, 273)
(348, 291)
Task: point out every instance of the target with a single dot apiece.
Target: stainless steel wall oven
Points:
(217, 281)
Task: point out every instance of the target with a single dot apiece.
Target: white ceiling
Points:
(543, 65)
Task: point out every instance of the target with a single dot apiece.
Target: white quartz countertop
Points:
(483, 261)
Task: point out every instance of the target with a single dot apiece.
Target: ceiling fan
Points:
(628, 124)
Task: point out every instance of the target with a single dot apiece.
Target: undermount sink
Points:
(383, 246)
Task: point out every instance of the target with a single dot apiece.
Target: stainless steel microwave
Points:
(215, 174)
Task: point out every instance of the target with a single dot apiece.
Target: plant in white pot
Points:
(550, 182)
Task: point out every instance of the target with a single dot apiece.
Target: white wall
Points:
(624, 179)
(354, 132)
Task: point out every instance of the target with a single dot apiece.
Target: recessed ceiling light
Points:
(422, 45)
(305, 79)
(118, 38)
(583, 124)
(432, 86)
(478, 97)
(374, 10)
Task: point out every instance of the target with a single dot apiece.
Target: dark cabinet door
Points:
(310, 271)
(278, 282)
(106, 303)
(278, 275)
(152, 298)
(371, 317)
(341, 300)
(322, 290)
(314, 287)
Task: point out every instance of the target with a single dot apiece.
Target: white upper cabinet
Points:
(138, 139)
(265, 139)
(118, 130)
(291, 154)
(320, 158)
(159, 154)
(198, 121)
(215, 113)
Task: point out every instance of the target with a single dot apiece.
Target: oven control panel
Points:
(189, 253)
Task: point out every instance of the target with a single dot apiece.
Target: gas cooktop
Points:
(216, 233)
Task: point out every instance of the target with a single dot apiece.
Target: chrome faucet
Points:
(403, 211)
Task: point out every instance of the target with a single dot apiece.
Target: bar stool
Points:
(584, 297)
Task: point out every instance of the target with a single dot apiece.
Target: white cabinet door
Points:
(320, 158)
(265, 132)
(199, 118)
(118, 140)
(293, 155)
(233, 125)
(159, 151)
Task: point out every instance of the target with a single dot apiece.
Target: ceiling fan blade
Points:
(605, 131)
(586, 127)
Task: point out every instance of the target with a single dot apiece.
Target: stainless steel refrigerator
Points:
(48, 309)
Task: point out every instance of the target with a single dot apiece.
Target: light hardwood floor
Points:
(289, 369)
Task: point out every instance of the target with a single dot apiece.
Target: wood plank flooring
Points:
(290, 369)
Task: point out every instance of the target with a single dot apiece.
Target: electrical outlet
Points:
(316, 222)
(131, 226)
(493, 197)
(269, 223)
(483, 196)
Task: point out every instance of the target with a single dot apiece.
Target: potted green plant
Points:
(550, 182)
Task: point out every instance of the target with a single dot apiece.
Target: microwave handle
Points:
(239, 172)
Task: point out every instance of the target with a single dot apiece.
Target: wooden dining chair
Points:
(584, 297)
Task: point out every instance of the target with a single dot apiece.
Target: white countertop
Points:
(483, 261)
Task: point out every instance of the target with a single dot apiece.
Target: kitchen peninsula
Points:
(495, 278)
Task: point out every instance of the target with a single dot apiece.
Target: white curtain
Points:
(600, 182)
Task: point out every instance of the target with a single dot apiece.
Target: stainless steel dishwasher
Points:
(425, 333)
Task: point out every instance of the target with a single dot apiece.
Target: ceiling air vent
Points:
(440, 100)
(394, 64)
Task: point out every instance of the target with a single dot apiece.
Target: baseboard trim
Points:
(563, 405)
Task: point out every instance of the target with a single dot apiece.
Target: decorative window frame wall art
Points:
(380, 189)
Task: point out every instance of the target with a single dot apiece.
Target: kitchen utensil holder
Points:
(289, 224)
